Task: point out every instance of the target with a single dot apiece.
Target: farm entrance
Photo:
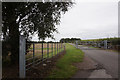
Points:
(32, 54)
(90, 45)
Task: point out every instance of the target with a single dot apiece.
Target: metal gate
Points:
(101, 44)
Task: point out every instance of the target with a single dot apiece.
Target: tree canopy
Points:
(28, 18)
(33, 17)
(67, 40)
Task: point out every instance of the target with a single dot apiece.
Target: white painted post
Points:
(22, 51)
(105, 44)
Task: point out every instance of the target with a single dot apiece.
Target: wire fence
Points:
(38, 52)
(31, 54)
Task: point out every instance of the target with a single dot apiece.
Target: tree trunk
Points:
(14, 42)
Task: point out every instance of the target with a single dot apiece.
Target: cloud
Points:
(89, 20)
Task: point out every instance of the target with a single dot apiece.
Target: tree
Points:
(67, 40)
(28, 18)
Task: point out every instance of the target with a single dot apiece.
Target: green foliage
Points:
(67, 40)
(65, 69)
(114, 41)
(27, 18)
(33, 17)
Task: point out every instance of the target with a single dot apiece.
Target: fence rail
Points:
(32, 54)
(41, 51)
(105, 44)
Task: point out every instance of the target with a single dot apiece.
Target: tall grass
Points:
(64, 66)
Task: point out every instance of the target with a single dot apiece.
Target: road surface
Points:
(108, 59)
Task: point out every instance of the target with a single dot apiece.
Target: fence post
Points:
(57, 47)
(105, 44)
(42, 51)
(22, 51)
(51, 50)
(64, 47)
(33, 54)
(76, 44)
(61, 46)
(99, 45)
(47, 50)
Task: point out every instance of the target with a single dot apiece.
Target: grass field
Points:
(64, 67)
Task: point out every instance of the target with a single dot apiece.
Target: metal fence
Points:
(38, 52)
(105, 44)
(101, 44)
(32, 54)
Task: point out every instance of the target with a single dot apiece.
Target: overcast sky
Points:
(89, 20)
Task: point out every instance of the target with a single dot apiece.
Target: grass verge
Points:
(64, 67)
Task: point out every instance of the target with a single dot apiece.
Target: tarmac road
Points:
(108, 59)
